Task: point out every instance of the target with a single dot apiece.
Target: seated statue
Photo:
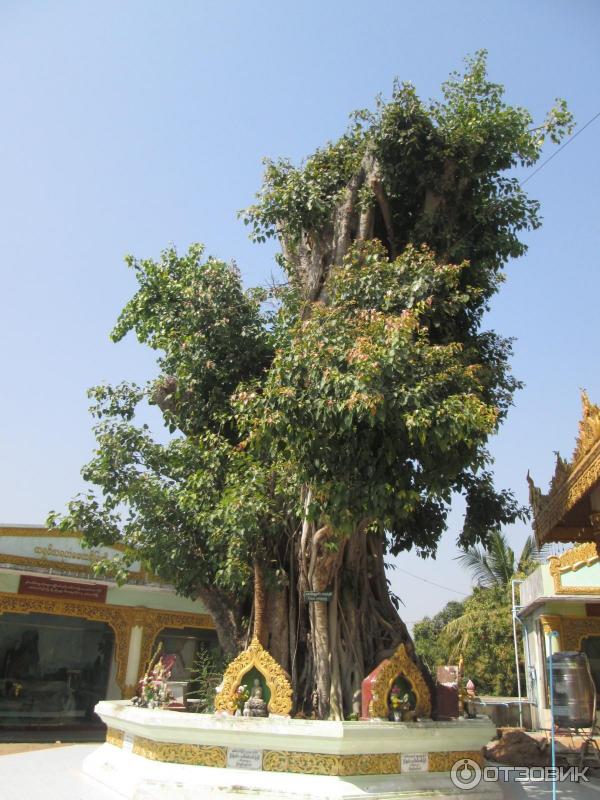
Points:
(255, 706)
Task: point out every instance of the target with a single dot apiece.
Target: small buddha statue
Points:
(255, 705)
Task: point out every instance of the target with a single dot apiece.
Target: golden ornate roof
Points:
(565, 513)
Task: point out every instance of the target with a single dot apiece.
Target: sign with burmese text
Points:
(62, 590)
(414, 762)
(243, 758)
(317, 597)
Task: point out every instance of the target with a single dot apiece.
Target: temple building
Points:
(563, 595)
(69, 639)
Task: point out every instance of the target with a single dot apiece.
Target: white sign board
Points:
(414, 762)
(242, 758)
(128, 742)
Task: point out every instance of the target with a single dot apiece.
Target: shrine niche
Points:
(379, 689)
(252, 665)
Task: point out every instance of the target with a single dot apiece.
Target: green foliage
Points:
(442, 164)
(379, 407)
(381, 399)
(210, 332)
(428, 635)
(496, 564)
(197, 508)
(304, 196)
(206, 675)
(483, 635)
(480, 628)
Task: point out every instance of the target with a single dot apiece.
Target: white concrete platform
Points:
(56, 775)
(305, 736)
(162, 755)
(139, 779)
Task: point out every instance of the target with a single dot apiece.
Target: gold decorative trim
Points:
(576, 629)
(99, 612)
(571, 630)
(120, 618)
(571, 481)
(114, 737)
(581, 556)
(80, 570)
(197, 754)
(443, 762)
(589, 428)
(553, 623)
(276, 677)
(400, 664)
(289, 761)
(326, 764)
(24, 532)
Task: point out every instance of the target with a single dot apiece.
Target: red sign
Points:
(65, 590)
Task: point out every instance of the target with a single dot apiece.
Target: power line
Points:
(522, 183)
(562, 147)
(433, 583)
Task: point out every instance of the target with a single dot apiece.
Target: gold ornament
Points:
(196, 754)
(326, 764)
(443, 762)
(581, 556)
(571, 482)
(399, 665)
(275, 676)
(289, 761)
(114, 737)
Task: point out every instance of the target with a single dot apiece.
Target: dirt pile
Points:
(518, 749)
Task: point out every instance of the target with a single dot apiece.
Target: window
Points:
(53, 669)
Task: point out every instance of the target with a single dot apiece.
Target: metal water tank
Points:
(574, 690)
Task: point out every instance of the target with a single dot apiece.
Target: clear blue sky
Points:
(130, 125)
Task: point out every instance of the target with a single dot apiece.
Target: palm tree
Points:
(492, 567)
(496, 565)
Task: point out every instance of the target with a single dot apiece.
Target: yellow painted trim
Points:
(571, 630)
(572, 480)
(400, 664)
(581, 556)
(276, 677)
(289, 761)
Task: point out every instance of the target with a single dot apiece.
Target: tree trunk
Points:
(227, 616)
(330, 647)
(259, 603)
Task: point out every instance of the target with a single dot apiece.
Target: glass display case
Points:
(53, 669)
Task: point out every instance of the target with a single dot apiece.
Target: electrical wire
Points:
(562, 147)
(433, 583)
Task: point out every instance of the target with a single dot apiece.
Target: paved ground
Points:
(52, 772)
(27, 747)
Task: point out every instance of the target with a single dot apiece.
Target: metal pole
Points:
(516, 644)
(552, 636)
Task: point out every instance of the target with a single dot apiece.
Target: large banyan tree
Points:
(323, 425)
